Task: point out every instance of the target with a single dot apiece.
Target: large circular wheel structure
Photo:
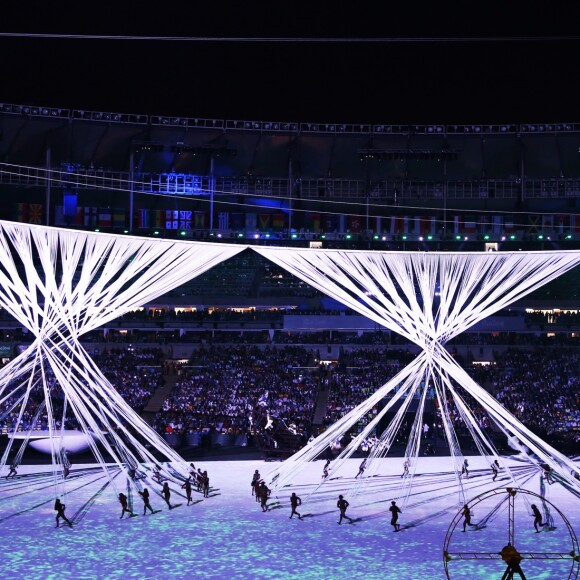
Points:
(509, 547)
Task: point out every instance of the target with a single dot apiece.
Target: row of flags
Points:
(308, 221)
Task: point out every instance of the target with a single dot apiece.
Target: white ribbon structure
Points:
(60, 284)
(427, 297)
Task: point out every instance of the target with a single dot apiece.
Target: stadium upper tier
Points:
(196, 177)
(274, 149)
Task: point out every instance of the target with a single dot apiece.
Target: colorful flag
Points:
(330, 222)
(144, 218)
(561, 223)
(35, 213)
(278, 221)
(251, 221)
(312, 222)
(185, 219)
(237, 221)
(105, 217)
(470, 225)
(119, 218)
(264, 221)
(355, 224)
(21, 212)
(223, 220)
(508, 224)
(547, 223)
(89, 216)
(199, 220)
(533, 224)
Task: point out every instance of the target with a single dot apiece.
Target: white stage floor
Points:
(227, 536)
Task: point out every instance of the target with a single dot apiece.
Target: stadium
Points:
(384, 312)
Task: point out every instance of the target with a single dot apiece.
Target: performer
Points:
(342, 504)
(465, 468)
(537, 518)
(466, 513)
(124, 505)
(12, 472)
(146, 504)
(166, 492)
(192, 470)
(60, 507)
(205, 484)
(406, 466)
(547, 473)
(187, 487)
(325, 469)
(395, 511)
(295, 501)
(264, 494)
(362, 468)
(255, 482)
(494, 471)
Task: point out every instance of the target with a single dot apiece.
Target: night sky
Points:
(524, 72)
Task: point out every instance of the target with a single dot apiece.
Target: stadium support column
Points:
(131, 187)
(48, 184)
(211, 191)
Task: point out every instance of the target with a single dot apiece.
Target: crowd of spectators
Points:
(221, 387)
(540, 387)
(134, 373)
(360, 373)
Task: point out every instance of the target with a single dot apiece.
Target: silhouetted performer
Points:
(395, 511)
(187, 487)
(192, 470)
(325, 469)
(205, 484)
(60, 507)
(361, 468)
(465, 468)
(494, 470)
(547, 473)
(145, 497)
(124, 505)
(405, 468)
(264, 494)
(12, 472)
(166, 493)
(255, 482)
(466, 513)
(537, 518)
(342, 504)
(295, 501)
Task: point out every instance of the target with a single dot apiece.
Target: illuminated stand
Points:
(60, 284)
(428, 298)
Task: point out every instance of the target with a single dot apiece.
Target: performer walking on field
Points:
(342, 504)
(325, 469)
(12, 472)
(124, 505)
(466, 513)
(187, 487)
(362, 467)
(395, 511)
(166, 492)
(60, 507)
(146, 503)
(537, 518)
(295, 501)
